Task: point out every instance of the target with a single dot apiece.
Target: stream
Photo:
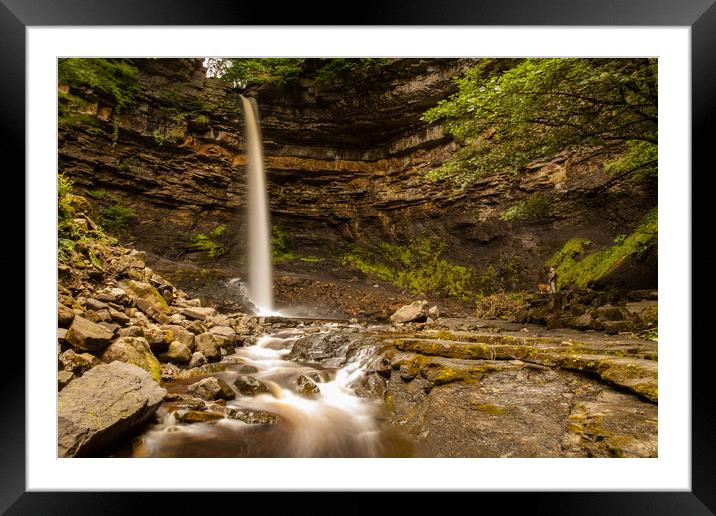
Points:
(334, 423)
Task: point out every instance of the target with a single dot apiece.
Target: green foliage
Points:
(639, 161)
(248, 72)
(417, 266)
(507, 119)
(64, 189)
(536, 207)
(116, 217)
(650, 334)
(97, 194)
(206, 243)
(79, 119)
(325, 72)
(575, 267)
(343, 69)
(158, 137)
(113, 77)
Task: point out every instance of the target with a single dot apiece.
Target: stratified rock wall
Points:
(345, 164)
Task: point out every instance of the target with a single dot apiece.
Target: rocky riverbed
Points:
(145, 369)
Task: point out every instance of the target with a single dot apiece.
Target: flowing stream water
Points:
(332, 423)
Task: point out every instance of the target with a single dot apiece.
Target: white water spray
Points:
(260, 282)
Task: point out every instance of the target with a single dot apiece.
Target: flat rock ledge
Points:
(105, 403)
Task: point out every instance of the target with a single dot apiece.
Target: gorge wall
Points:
(346, 164)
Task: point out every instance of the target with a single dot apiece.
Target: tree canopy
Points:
(242, 72)
(508, 118)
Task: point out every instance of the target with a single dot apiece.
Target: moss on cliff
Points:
(417, 266)
(594, 266)
(115, 78)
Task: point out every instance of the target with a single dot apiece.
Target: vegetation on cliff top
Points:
(506, 119)
(115, 78)
(251, 72)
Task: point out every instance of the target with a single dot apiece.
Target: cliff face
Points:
(345, 164)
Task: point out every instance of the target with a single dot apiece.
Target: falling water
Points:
(259, 244)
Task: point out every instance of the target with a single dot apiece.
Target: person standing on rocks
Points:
(552, 279)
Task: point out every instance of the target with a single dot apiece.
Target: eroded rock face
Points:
(345, 164)
(104, 404)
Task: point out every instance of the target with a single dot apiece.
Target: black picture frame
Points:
(699, 15)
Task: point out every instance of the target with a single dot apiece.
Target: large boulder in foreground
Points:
(108, 401)
(417, 311)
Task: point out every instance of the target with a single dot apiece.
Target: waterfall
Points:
(260, 282)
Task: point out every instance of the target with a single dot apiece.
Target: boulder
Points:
(169, 371)
(251, 417)
(434, 312)
(306, 387)
(177, 353)
(197, 359)
(61, 334)
(130, 331)
(63, 378)
(196, 327)
(610, 313)
(112, 295)
(225, 331)
(158, 338)
(416, 311)
(247, 369)
(106, 403)
(211, 388)
(146, 298)
(85, 335)
(249, 386)
(119, 317)
(95, 304)
(110, 326)
(198, 312)
(133, 350)
(197, 416)
(77, 363)
(65, 315)
(181, 334)
(213, 346)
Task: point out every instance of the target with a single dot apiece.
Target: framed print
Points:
(165, 284)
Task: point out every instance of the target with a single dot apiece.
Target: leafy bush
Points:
(206, 243)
